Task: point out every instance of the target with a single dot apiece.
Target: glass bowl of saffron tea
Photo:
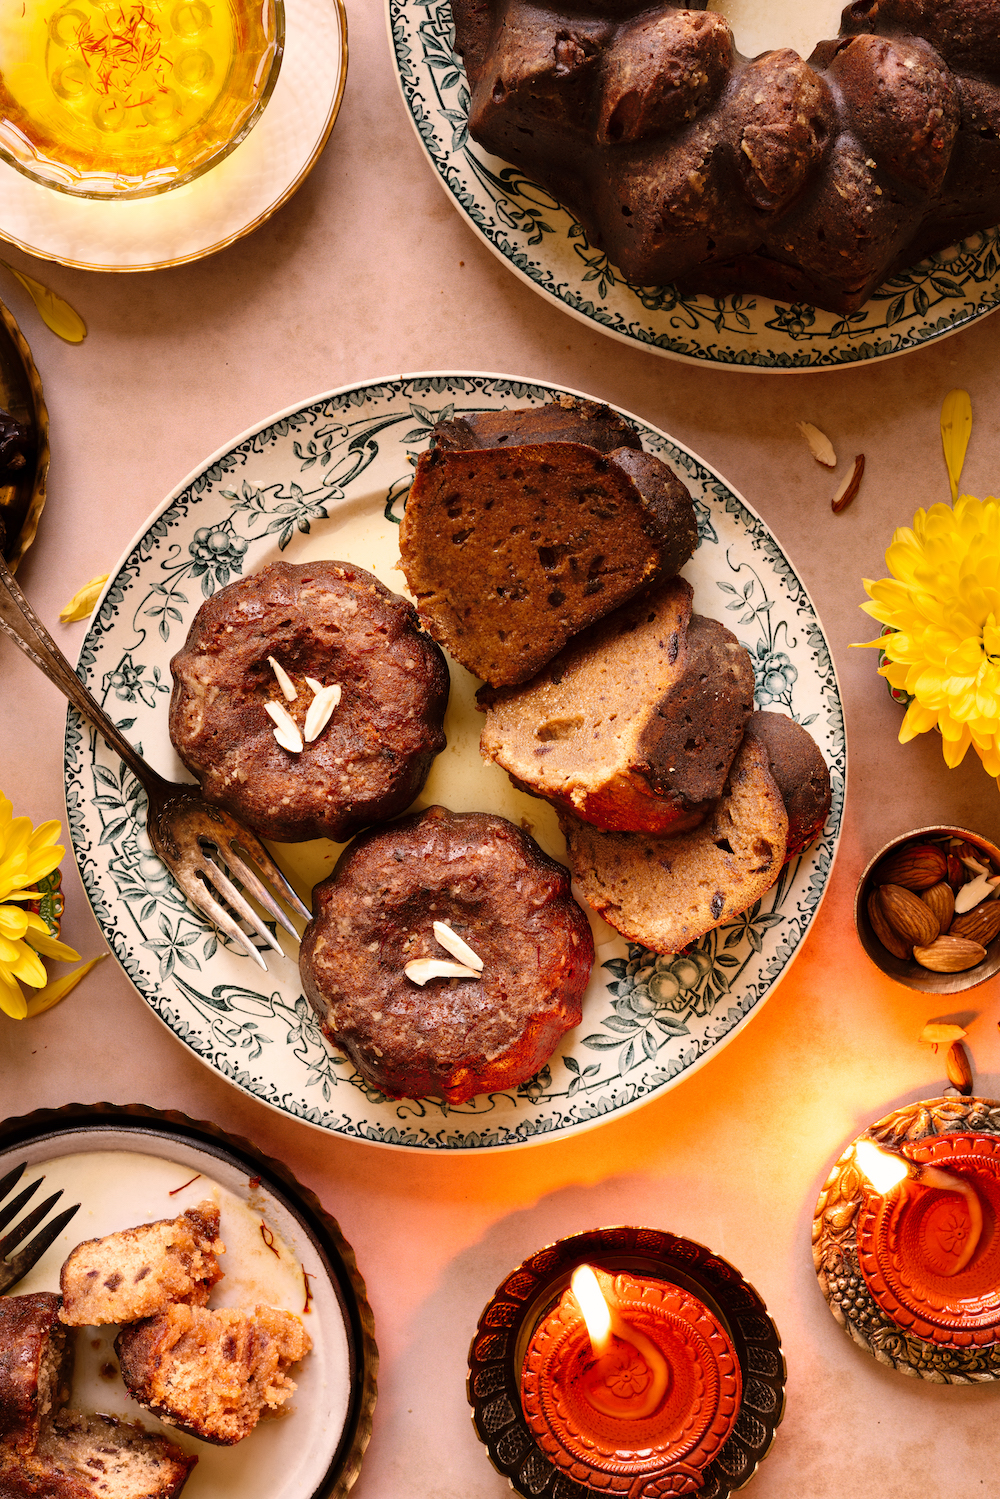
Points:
(129, 98)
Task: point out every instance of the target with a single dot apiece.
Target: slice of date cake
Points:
(140, 1271)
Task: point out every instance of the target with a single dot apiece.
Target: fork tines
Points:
(12, 1270)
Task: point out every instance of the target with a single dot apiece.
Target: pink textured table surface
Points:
(370, 272)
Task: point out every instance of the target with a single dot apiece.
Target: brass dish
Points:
(22, 500)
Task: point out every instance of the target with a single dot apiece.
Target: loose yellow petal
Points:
(56, 313)
(12, 1001)
(956, 428)
(59, 988)
(81, 605)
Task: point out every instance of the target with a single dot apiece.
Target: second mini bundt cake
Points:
(506, 900)
(212, 1373)
(634, 725)
(307, 700)
(140, 1271)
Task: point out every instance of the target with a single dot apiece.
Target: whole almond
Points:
(907, 914)
(958, 1069)
(981, 924)
(950, 954)
(915, 866)
(941, 899)
(889, 939)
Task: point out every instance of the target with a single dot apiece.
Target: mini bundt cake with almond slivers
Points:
(139, 1271)
(634, 725)
(511, 550)
(807, 181)
(212, 1373)
(664, 892)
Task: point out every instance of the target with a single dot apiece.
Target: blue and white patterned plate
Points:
(329, 479)
(543, 244)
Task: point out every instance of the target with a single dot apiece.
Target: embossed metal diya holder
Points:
(726, 1391)
(891, 1264)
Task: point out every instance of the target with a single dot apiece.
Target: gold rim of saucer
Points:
(244, 229)
(15, 547)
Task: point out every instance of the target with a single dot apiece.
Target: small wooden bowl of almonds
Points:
(927, 909)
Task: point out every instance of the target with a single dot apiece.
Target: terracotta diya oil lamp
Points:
(927, 1236)
(631, 1385)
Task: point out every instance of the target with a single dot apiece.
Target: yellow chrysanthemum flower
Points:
(943, 606)
(27, 855)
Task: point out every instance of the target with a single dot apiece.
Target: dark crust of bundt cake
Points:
(336, 623)
(688, 163)
(511, 550)
(36, 1362)
(455, 1037)
(800, 773)
(634, 725)
(566, 419)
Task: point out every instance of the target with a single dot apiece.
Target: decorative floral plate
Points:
(329, 479)
(543, 244)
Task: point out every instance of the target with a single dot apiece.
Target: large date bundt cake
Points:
(689, 163)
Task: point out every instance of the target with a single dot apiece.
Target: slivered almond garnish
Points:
(940, 1033)
(320, 710)
(452, 942)
(422, 969)
(284, 680)
(286, 730)
(850, 486)
(820, 445)
(312, 682)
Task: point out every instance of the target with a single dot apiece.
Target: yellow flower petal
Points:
(81, 605)
(59, 988)
(12, 1001)
(51, 947)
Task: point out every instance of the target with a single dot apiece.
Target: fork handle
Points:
(21, 623)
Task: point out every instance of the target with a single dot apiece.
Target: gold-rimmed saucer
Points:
(224, 204)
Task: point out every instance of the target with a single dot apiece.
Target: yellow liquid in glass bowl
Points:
(125, 98)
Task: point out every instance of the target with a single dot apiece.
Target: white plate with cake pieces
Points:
(328, 480)
(541, 242)
(130, 1168)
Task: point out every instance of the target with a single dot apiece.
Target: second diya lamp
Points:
(626, 1361)
(907, 1240)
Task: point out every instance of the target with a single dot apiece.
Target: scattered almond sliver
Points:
(284, 680)
(937, 1033)
(422, 969)
(286, 730)
(849, 486)
(312, 682)
(452, 942)
(320, 710)
(820, 445)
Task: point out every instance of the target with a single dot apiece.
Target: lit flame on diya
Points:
(634, 1399)
(886, 1169)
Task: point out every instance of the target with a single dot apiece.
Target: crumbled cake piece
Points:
(634, 725)
(566, 419)
(212, 1373)
(36, 1365)
(140, 1271)
(665, 891)
(509, 551)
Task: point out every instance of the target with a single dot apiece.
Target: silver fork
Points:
(16, 1268)
(182, 826)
